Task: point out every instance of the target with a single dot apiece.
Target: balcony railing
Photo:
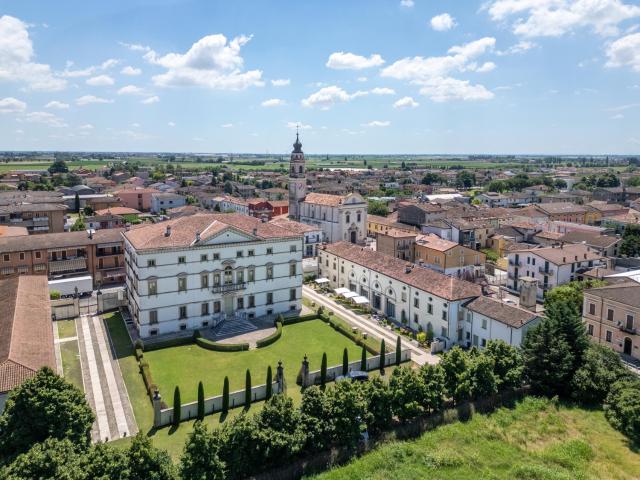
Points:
(546, 271)
(231, 287)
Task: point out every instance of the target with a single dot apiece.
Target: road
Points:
(418, 355)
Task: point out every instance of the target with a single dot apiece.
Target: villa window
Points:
(608, 336)
(216, 279)
(204, 280)
(444, 315)
(228, 276)
(204, 257)
(240, 303)
(292, 248)
(590, 329)
(484, 323)
(269, 251)
(251, 274)
(150, 263)
(153, 317)
(182, 259)
(430, 309)
(610, 314)
(216, 307)
(592, 309)
(204, 309)
(216, 256)
(183, 311)
(292, 294)
(239, 254)
(182, 284)
(348, 218)
(153, 287)
(269, 298)
(269, 272)
(292, 269)
(251, 253)
(252, 301)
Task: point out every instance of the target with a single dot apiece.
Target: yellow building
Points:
(377, 224)
(447, 257)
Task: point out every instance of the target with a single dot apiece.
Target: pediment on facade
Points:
(228, 235)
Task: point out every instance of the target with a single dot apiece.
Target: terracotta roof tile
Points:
(324, 199)
(503, 313)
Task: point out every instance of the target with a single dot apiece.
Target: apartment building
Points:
(551, 266)
(35, 217)
(138, 198)
(418, 297)
(164, 201)
(377, 225)
(396, 243)
(60, 255)
(446, 256)
(196, 271)
(612, 316)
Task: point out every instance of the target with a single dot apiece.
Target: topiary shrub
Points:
(271, 338)
(225, 395)
(221, 347)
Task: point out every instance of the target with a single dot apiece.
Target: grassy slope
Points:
(536, 440)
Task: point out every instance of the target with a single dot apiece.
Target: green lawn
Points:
(190, 364)
(71, 363)
(185, 366)
(536, 440)
(66, 328)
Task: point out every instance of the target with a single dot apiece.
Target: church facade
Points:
(339, 217)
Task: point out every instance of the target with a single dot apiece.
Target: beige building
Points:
(35, 217)
(446, 256)
(396, 243)
(612, 315)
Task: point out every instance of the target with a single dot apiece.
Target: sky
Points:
(356, 76)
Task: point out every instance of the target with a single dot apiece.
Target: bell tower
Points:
(297, 180)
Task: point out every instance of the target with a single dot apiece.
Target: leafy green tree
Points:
(634, 181)
(104, 461)
(316, 415)
(349, 411)
(177, 407)
(323, 371)
(201, 455)
(44, 406)
(379, 399)
(408, 393)
(247, 390)
(630, 245)
(601, 368)
(269, 383)
(51, 459)
(547, 358)
(559, 184)
(571, 293)
(225, 395)
(237, 448)
(398, 351)
(431, 178)
(465, 179)
(622, 408)
(497, 186)
(345, 361)
(228, 187)
(200, 401)
(507, 364)
(569, 325)
(58, 166)
(147, 462)
(454, 364)
(434, 389)
(377, 207)
(479, 377)
(363, 359)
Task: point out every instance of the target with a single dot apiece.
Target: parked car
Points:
(354, 376)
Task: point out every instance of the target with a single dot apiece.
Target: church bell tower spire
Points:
(297, 179)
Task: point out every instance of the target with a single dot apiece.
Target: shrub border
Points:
(266, 341)
(221, 347)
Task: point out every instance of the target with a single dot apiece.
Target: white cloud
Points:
(211, 62)
(130, 71)
(361, 79)
(442, 22)
(12, 105)
(45, 118)
(150, 100)
(407, 3)
(131, 90)
(16, 58)
(327, 97)
(376, 123)
(446, 89)
(625, 52)
(406, 102)
(617, 116)
(519, 47)
(227, 125)
(486, 67)
(57, 105)
(136, 47)
(350, 61)
(553, 18)
(171, 124)
(420, 68)
(383, 91)
(89, 99)
(273, 102)
(88, 71)
(298, 125)
(280, 82)
(100, 81)
(135, 125)
(86, 126)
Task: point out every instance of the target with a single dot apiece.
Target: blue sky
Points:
(359, 76)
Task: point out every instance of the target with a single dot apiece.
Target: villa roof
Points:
(508, 314)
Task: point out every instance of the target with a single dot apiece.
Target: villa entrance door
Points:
(228, 305)
(627, 346)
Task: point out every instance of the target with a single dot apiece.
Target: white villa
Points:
(196, 271)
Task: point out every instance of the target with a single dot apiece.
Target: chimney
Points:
(255, 231)
(263, 218)
(90, 232)
(197, 237)
(167, 232)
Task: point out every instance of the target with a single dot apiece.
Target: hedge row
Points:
(301, 318)
(271, 338)
(138, 353)
(148, 380)
(221, 347)
(345, 329)
(172, 342)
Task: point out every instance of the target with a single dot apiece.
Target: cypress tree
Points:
(76, 203)
(225, 395)
(363, 360)
(200, 401)
(247, 390)
(176, 407)
(345, 362)
(383, 355)
(323, 372)
(269, 382)
(398, 351)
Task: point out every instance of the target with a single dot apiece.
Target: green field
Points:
(187, 365)
(535, 440)
(71, 363)
(66, 328)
